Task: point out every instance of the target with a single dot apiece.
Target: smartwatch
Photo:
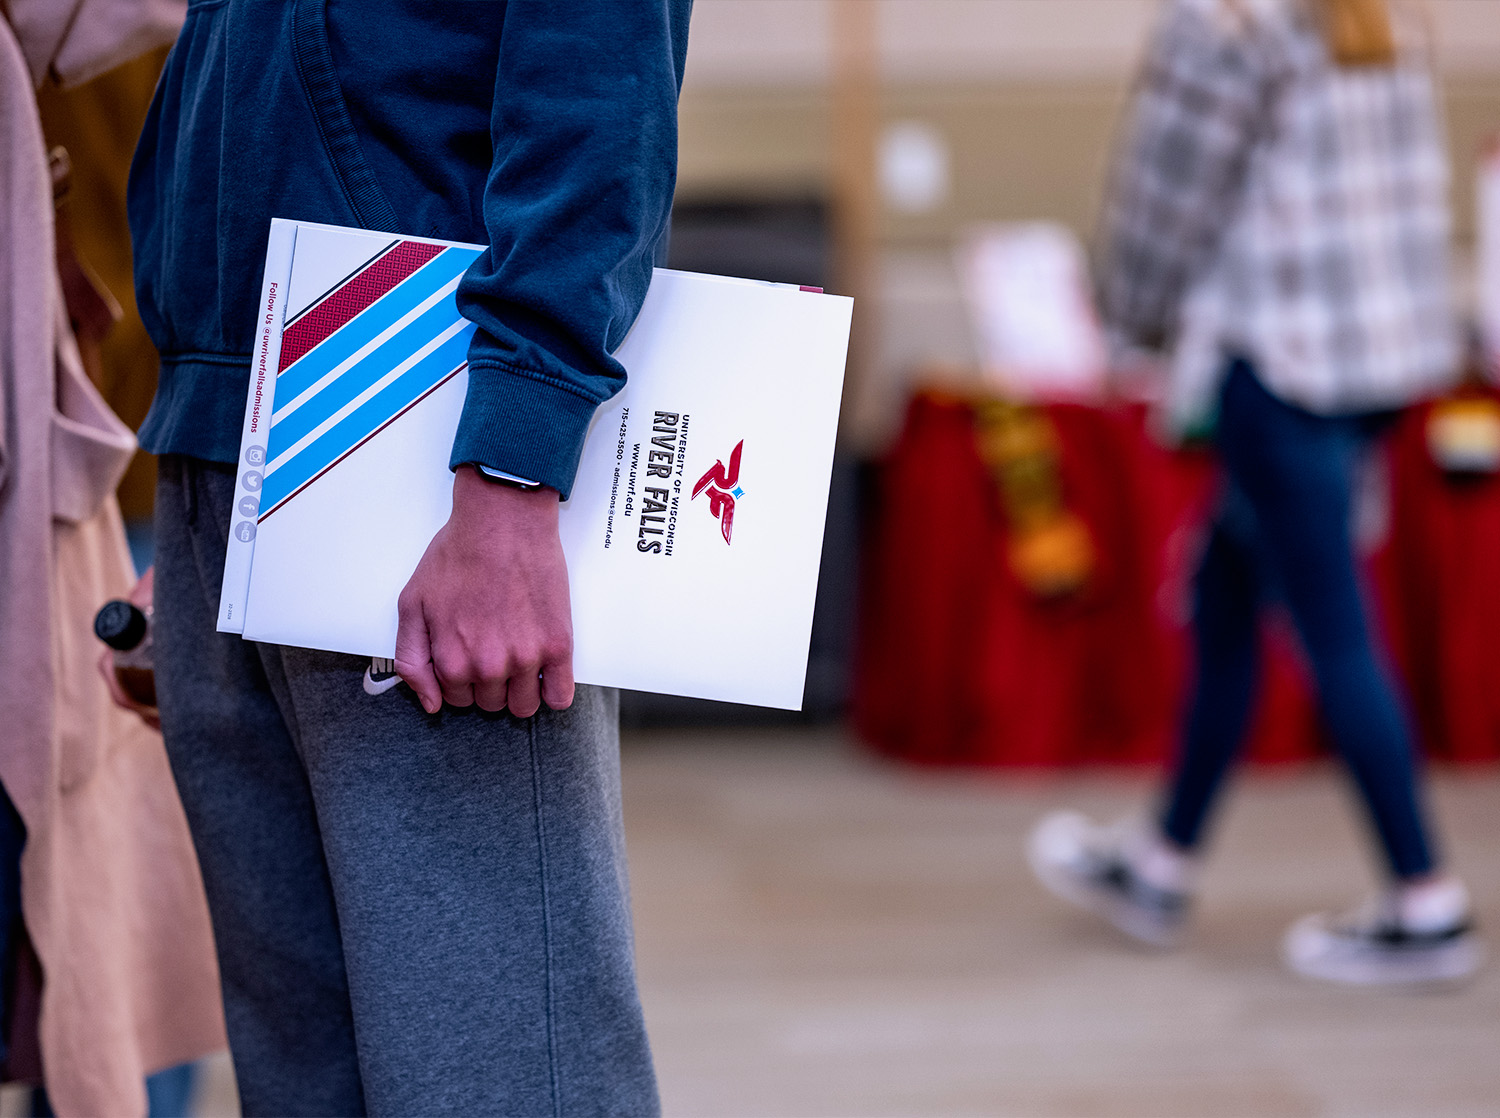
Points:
(500, 477)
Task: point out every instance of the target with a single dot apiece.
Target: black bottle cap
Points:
(120, 625)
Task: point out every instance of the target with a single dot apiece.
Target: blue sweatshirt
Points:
(545, 129)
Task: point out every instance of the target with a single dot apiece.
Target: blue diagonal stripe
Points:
(344, 342)
(364, 420)
(370, 368)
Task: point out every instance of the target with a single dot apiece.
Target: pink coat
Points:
(111, 894)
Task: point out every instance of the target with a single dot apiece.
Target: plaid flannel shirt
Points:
(1269, 203)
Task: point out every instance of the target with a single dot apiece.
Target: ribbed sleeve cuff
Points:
(522, 424)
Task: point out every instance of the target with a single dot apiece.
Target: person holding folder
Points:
(420, 897)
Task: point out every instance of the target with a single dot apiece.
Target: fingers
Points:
(535, 679)
(414, 654)
(454, 672)
(525, 691)
(520, 689)
(456, 693)
(485, 673)
(557, 682)
(107, 670)
(491, 694)
(118, 695)
(508, 684)
(523, 695)
(141, 595)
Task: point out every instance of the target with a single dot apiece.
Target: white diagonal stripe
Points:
(348, 409)
(365, 350)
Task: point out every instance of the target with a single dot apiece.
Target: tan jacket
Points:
(111, 894)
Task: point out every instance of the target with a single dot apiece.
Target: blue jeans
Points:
(1283, 529)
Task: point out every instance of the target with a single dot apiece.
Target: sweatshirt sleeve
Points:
(579, 193)
(1179, 168)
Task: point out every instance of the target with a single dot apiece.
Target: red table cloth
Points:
(957, 663)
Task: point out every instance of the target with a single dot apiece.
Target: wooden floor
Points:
(820, 933)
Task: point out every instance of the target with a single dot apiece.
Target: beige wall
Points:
(1024, 93)
(778, 42)
(1019, 149)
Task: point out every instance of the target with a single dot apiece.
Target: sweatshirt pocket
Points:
(320, 81)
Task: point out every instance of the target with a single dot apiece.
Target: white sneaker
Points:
(1092, 867)
(1373, 946)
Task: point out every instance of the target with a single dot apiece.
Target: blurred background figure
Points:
(108, 961)
(1279, 220)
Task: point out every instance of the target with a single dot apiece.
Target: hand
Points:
(140, 596)
(485, 618)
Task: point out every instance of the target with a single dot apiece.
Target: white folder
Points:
(694, 529)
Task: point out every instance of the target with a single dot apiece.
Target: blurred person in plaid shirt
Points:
(1278, 222)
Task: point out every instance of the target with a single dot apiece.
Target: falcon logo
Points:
(722, 487)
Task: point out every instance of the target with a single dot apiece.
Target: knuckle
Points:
(492, 666)
(451, 667)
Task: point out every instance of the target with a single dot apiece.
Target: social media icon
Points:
(244, 531)
(249, 506)
(251, 480)
(255, 455)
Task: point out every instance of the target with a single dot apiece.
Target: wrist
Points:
(473, 493)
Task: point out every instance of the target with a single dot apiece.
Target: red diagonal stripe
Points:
(354, 295)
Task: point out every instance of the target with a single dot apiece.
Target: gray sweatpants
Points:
(415, 914)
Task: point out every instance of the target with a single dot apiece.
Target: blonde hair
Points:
(1358, 32)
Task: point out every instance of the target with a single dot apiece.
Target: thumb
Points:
(414, 655)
